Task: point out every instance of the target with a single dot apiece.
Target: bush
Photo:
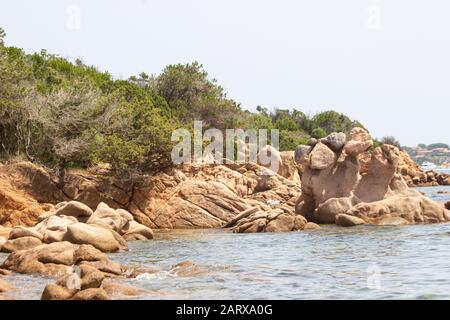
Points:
(318, 133)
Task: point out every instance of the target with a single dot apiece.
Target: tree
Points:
(318, 133)
(188, 90)
(392, 141)
(332, 121)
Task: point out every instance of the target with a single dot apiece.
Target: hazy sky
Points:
(385, 63)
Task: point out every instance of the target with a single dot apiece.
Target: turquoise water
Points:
(408, 262)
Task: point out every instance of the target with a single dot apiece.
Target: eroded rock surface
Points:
(335, 191)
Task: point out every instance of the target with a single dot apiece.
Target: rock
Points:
(5, 286)
(311, 226)
(375, 193)
(134, 237)
(4, 272)
(53, 236)
(55, 223)
(103, 239)
(57, 253)
(335, 141)
(74, 209)
(115, 289)
(107, 266)
(55, 292)
(88, 253)
(2, 242)
(135, 228)
(411, 206)
(288, 166)
(270, 158)
(20, 232)
(276, 220)
(23, 243)
(359, 141)
(301, 153)
(346, 220)
(327, 211)
(91, 294)
(125, 215)
(108, 218)
(312, 142)
(27, 261)
(321, 157)
(92, 280)
(4, 232)
(392, 221)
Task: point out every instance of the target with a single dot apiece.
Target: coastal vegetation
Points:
(66, 114)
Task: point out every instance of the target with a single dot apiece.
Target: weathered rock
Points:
(359, 141)
(133, 228)
(346, 220)
(5, 286)
(4, 232)
(101, 238)
(91, 294)
(55, 292)
(74, 209)
(311, 226)
(119, 290)
(54, 256)
(414, 208)
(335, 141)
(301, 154)
(4, 272)
(277, 220)
(23, 243)
(20, 232)
(88, 253)
(392, 221)
(340, 194)
(326, 212)
(108, 218)
(321, 157)
(55, 223)
(92, 280)
(2, 242)
(105, 266)
(288, 166)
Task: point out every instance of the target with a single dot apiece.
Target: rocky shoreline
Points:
(64, 232)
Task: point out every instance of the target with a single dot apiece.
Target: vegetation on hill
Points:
(65, 114)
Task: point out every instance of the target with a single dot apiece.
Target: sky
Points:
(385, 63)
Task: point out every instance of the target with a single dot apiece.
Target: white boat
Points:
(428, 166)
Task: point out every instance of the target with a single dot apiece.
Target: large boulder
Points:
(359, 141)
(19, 232)
(133, 228)
(277, 220)
(335, 141)
(108, 218)
(91, 294)
(103, 239)
(48, 259)
(74, 209)
(345, 194)
(53, 291)
(23, 243)
(321, 157)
